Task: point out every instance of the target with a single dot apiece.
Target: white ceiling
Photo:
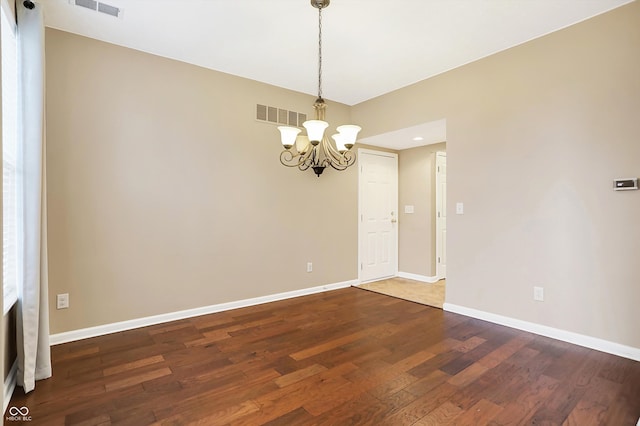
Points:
(370, 47)
(411, 137)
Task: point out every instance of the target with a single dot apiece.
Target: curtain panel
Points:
(34, 354)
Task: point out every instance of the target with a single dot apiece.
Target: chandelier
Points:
(315, 150)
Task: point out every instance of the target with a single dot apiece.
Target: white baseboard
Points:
(10, 385)
(85, 333)
(416, 277)
(555, 333)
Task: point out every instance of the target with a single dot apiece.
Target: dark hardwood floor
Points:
(344, 357)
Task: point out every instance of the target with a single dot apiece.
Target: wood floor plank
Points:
(520, 409)
(133, 365)
(137, 379)
(218, 417)
(298, 375)
(347, 413)
(480, 414)
(414, 360)
(274, 404)
(427, 383)
(503, 352)
(443, 415)
(343, 357)
(295, 417)
(331, 344)
(468, 375)
(82, 353)
(629, 395)
(323, 402)
(422, 406)
(469, 344)
(594, 405)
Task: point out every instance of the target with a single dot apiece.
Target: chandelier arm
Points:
(326, 160)
(308, 159)
(337, 166)
(343, 159)
(332, 157)
(329, 152)
(333, 153)
(349, 157)
(287, 158)
(304, 166)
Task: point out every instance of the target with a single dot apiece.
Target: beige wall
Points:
(416, 187)
(165, 194)
(535, 136)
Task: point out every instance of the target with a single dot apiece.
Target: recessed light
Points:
(418, 138)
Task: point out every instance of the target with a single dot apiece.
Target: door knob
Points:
(393, 218)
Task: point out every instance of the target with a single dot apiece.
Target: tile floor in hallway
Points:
(415, 291)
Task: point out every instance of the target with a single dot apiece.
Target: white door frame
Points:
(361, 152)
(440, 274)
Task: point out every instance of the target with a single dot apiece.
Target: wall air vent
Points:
(89, 4)
(97, 6)
(279, 116)
(109, 10)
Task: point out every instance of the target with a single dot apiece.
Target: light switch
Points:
(408, 209)
(459, 208)
(625, 184)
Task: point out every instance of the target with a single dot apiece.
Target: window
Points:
(10, 171)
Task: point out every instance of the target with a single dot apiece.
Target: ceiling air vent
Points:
(269, 114)
(97, 6)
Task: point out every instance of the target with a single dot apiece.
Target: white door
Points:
(441, 215)
(378, 230)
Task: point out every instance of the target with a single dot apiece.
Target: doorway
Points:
(378, 214)
(422, 227)
(441, 215)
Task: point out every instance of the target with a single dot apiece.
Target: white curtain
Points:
(34, 355)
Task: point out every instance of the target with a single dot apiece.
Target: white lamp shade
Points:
(339, 142)
(302, 143)
(349, 133)
(288, 135)
(315, 129)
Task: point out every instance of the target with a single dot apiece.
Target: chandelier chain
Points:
(320, 52)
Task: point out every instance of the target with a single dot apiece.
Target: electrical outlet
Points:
(62, 301)
(538, 294)
(309, 267)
